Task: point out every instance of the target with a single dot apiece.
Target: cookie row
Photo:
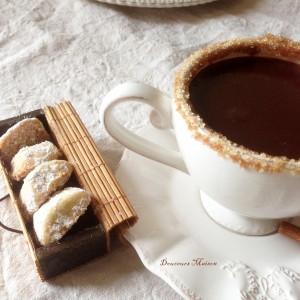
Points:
(31, 157)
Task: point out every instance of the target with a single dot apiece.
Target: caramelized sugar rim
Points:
(266, 46)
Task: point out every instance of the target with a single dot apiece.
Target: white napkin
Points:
(159, 235)
(174, 235)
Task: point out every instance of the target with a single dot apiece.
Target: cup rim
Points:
(267, 46)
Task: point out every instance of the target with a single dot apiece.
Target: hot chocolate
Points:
(253, 101)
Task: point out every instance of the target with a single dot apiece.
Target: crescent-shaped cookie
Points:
(53, 220)
(43, 181)
(30, 157)
(24, 133)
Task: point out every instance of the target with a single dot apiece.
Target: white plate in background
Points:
(157, 3)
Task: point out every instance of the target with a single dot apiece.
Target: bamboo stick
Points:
(124, 202)
(115, 204)
(73, 155)
(111, 204)
(82, 166)
(89, 163)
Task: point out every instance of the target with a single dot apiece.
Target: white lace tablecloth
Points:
(79, 50)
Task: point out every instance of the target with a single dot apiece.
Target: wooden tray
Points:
(109, 212)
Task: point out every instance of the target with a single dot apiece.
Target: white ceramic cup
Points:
(241, 190)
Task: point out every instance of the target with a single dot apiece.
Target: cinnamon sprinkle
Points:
(290, 230)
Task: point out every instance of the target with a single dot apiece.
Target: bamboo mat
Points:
(111, 205)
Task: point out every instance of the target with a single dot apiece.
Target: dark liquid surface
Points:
(254, 102)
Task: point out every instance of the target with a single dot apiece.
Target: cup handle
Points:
(161, 118)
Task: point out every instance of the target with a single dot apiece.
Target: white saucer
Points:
(236, 223)
(174, 226)
(157, 3)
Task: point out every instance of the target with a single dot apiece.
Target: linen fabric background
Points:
(79, 50)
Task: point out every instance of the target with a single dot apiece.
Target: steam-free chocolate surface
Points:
(253, 101)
